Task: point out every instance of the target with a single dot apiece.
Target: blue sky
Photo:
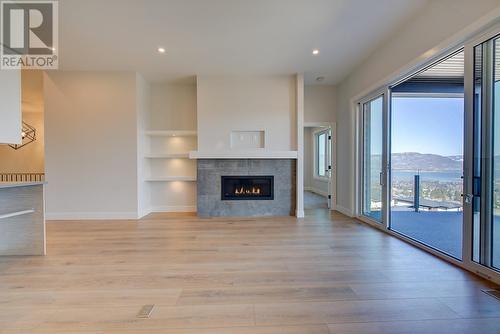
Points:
(427, 125)
(376, 113)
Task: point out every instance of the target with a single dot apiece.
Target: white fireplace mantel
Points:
(243, 154)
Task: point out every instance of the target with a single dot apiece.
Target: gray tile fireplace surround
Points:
(209, 187)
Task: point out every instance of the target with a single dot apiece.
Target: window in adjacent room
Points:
(321, 153)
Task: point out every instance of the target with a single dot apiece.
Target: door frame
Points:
(385, 177)
(467, 43)
(478, 268)
(332, 189)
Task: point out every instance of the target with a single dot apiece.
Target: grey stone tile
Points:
(209, 187)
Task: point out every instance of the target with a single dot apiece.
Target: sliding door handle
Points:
(467, 198)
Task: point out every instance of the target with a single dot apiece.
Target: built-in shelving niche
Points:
(169, 173)
(168, 158)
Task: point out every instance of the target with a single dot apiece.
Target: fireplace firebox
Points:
(248, 187)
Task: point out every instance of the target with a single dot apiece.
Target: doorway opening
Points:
(318, 167)
(427, 154)
(25, 162)
(413, 155)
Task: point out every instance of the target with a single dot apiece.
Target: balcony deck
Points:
(439, 229)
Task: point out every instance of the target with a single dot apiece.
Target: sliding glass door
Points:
(495, 224)
(373, 158)
(429, 157)
(484, 192)
(427, 136)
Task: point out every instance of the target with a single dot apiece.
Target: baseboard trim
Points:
(90, 215)
(344, 210)
(143, 213)
(173, 208)
(316, 191)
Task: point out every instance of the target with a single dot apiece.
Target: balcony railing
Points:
(434, 192)
(22, 177)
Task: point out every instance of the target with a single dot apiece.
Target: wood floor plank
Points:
(307, 329)
(121, 318)
(455, 326)
(322, 274)
(475, 306)
(422, 289)
(88, 298)
(311, 329)
(265, 295)
(351, 311)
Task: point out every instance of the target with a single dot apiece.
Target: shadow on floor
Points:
(314, 201)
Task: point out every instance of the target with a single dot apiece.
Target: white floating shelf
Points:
(243, 154)
(168, 156)
(171, 178)
(171, 133)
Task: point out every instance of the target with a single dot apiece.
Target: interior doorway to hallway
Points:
(318, 166)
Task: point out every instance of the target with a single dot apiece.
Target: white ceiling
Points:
(218, 37)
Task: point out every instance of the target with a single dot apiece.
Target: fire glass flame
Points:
(243, 191)
(247, 187)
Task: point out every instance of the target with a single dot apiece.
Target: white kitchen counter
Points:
(19, 184)
(22, 218)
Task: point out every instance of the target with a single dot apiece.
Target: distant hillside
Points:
(457, 157)
(425, 162)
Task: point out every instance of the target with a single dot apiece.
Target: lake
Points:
(442, 176)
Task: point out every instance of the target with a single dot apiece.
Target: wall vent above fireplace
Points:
(247, 139)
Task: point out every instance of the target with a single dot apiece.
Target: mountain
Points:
(456, 157)
(425, 162)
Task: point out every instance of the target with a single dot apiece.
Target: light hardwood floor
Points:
(318, 275)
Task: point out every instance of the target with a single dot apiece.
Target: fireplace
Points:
(248, 187)
(218, 180)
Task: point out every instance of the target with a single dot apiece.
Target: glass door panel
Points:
(426, 187)
(373, 158)
(486, 162)
(495, 228)
(476, 158)
(321, 163)
(427, 136)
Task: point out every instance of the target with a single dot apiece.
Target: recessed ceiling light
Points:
(315, 52)
(319, 79)
(161, 50)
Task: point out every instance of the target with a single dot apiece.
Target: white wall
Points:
(308, 158)
(91, 145)
(439, 21)
(10, 108)
(173, 107)
(27, 159)
(229, 103)
(320, 103)
(143, 108)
